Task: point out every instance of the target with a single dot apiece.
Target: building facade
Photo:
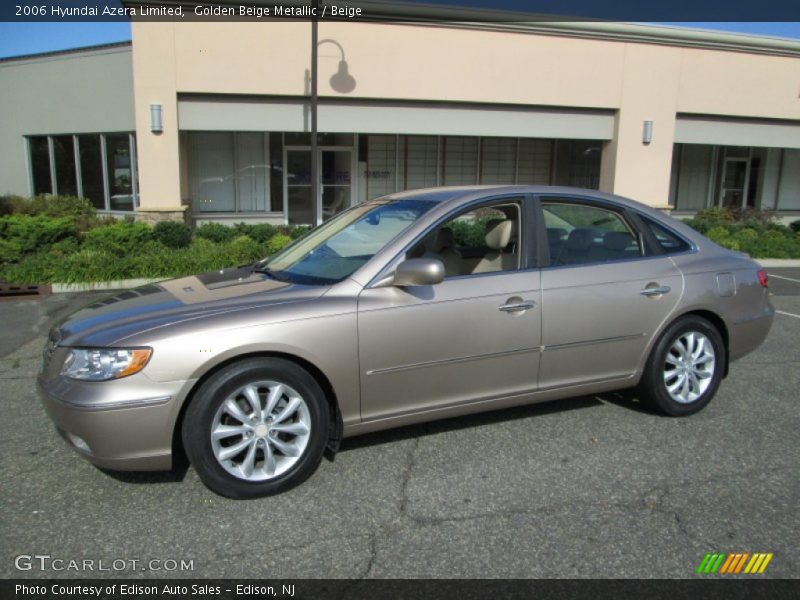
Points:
(211, 121)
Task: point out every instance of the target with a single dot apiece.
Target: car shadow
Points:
(180, 466)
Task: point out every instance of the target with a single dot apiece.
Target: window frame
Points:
(647, 244)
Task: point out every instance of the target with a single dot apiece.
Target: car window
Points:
(336, 249)
(478, 241)
(670, 242)
(581, 233)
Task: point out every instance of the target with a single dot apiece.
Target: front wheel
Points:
(256, 428)
(685, 367)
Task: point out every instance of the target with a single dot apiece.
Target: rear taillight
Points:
(763, 279)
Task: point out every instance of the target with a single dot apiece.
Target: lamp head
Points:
(342, 81)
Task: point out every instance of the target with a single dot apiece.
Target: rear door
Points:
(603, 298)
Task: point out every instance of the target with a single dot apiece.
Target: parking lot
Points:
(587, 487)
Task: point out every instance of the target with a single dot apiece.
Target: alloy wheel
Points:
(260, 431)
(689, 367)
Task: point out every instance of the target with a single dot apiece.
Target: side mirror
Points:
(418, 271)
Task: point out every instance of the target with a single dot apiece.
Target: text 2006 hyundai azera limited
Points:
(413, 307)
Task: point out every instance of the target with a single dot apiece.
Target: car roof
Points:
(444, 194)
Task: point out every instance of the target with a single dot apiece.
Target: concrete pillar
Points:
(154, 82)
(650, 88)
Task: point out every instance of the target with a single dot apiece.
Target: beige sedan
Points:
(418, 306)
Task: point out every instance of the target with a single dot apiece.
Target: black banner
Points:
(488, 589)
(400, 10)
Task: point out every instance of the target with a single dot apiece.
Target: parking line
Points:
(780, 312)
(782, 277)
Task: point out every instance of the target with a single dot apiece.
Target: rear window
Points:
(670, 242)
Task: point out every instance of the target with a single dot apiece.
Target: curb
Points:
(99, 286)
(777, 263)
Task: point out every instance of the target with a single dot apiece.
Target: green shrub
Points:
(10, 251)
(715, 215)
(173, 234)
(244, 250)
(122, 238)
(469, 233)
(795, 226)
(262, 232)
(216, 232)
(278, 242)
(66, 246)
(25, 234)
(79, 210)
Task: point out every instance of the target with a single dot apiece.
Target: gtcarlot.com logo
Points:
(46, 562)
(735, 563)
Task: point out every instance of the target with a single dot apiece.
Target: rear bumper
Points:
(748, 334)
(111, 428)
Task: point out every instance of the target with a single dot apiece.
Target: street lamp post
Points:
(315, 201)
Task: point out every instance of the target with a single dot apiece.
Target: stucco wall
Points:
(423, 63)
(73, 93)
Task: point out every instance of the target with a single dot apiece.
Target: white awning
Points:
(393, 118)
(737, 132)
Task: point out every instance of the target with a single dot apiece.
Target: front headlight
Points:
(102, 364)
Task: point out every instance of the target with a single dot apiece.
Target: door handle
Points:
(517, 306)
(655, 291)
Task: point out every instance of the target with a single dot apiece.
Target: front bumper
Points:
(126, 424)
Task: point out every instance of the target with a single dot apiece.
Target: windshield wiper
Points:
(274, 274)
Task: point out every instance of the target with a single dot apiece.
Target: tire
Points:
(690, 350)
(256, 454)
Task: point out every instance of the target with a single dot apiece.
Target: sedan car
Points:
(417, 306)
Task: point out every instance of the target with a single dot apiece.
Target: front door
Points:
(474, 336)
(734, 183)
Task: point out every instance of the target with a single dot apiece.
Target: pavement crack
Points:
(411, 461)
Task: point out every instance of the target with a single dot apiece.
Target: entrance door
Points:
(297, 186)
(733, 192)
(335, 183)
(336, 165)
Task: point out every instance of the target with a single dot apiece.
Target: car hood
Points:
(154, 306)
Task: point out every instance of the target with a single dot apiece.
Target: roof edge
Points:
(98, 48)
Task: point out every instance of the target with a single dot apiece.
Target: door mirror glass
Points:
(418, 271)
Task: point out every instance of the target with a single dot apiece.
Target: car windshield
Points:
(335, 250)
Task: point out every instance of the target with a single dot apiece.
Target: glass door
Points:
(297, 186)
(733, 191)
(337, 180)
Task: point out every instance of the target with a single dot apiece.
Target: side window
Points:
(581, 233)
(670, 242)
(481, 240)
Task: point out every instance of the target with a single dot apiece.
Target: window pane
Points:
(693, 176)
(535, 162)
(276, 172)
(251, 172)
(92, 170)
(498, 160)
(40, 165)
(64, 153)
(380, 152)
(578, 233)
(578, 163)
(789, 190)
(669, 241)
(211, 167)
(120, 174)
(460, 160)
(482, 240)
(419, 161)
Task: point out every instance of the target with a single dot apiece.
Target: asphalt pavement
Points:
(587, 487)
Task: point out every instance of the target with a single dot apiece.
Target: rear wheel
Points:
(685, 367)
(256, 428)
